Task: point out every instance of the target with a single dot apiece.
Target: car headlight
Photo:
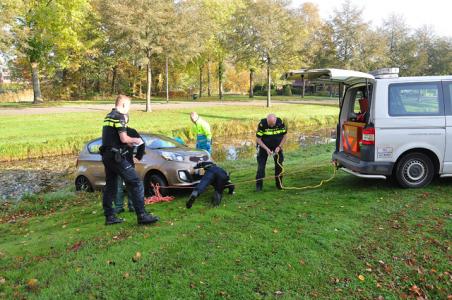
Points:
(172, 156)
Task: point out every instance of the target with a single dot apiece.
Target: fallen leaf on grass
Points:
(136, 257)
(125, 275)
(76, 246)
(302, 262)
(2, 280)
(388, 268)
(32, 284)
(361, 277)
(279, 293)
(415, 290)
(275, 230)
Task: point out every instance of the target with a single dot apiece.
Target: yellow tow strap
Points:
(303, 187)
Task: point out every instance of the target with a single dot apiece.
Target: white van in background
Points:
(391, 126)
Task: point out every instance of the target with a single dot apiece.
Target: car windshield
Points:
(94, 146)
(159, 142)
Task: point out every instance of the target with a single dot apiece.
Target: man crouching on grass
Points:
(215, 176)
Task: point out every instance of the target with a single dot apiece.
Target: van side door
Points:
(447, 88)
(414, 118)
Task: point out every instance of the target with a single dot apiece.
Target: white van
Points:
(390, 126)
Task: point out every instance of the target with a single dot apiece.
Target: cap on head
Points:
(271, 120)
(194, 116)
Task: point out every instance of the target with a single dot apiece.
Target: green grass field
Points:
(30, 136)
(350, 239)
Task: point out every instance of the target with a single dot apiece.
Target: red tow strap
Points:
(157, 196)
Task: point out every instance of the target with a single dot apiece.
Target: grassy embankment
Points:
(352, 238)
(160, 100)
(30, 136)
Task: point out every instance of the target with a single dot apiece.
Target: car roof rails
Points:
(385, 73)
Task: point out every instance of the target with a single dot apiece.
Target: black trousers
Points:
(127, 172)
(216, 177)
(262, 156)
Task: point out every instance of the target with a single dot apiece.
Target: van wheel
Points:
(82, 184)
(155, 179)
(414, 170)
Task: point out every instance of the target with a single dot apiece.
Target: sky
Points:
(435, 13)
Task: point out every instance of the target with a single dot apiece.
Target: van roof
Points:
(416, 78)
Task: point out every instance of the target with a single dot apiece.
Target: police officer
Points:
(215, 176)
(202, 131)
(115, 142)
(270, 138)
(134, 153)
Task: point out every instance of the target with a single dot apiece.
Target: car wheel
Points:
(82, 184)
(155, 179)
(414, 170)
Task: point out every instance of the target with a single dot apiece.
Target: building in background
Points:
(5, 76)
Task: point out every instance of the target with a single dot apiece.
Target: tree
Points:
(219, 24)
(349, 31)
(440, 56)
(269, 32)
(45, 32)
(143, 26)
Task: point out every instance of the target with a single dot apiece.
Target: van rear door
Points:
(447, 88)
(349, 133)
(347, 77)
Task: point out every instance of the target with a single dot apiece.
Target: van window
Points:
(359, 104)
(448, 96)
(415, 99)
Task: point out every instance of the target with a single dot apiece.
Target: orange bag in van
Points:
(352, 133)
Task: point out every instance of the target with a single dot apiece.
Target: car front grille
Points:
(199, 158)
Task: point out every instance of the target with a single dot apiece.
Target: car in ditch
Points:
(166, 162)
(391, 126)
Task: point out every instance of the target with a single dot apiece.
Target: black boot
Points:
(259, 187)
(192, 199)
(231, 189)
(110, 220)
(216, 198)
(146, 219)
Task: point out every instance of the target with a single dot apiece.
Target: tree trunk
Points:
(302, 86)
(37, 97)
(200, 81)
(140, 83)
(113, 80)
(208, 79)
(220, 79)
(251, 83)
(269, 82)
(149, 83)
(98, 85)
(167, 82)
